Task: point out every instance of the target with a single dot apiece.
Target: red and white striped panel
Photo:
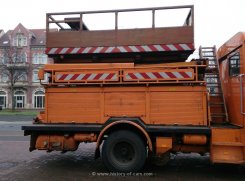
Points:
(86, 77)
(186, 74)
(121, 49)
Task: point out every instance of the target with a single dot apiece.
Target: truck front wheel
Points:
(124, 151)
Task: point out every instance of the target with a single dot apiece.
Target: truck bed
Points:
(168, 105)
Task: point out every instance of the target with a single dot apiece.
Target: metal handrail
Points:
(189, 21)
(221, 85)
(241, 92)
(123, 10)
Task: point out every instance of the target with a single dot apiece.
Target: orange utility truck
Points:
(129, 89)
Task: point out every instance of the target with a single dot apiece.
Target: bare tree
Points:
(14, 68)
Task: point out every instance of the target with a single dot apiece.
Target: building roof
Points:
(37, 36)
(4, 40)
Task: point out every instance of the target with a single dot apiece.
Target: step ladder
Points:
(217, 104)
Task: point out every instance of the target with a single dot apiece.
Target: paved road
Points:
(17, 163)
(10, 127)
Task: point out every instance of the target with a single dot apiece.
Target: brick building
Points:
(28, 94)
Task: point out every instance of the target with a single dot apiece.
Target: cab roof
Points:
(231, 45)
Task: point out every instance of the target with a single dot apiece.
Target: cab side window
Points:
(234, 64)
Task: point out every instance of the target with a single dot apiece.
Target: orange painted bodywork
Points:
(231, 84)
(155, 102)
(63, 142)
(148, 100)
(236, 41)
(163, 144)
(121, 73)
(194, 139)
(228, 144)
(179, 105)
(94, 102)
(56, 142)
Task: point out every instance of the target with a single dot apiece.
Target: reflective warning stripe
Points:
(121, 49)
(78, 77)
(159, 75)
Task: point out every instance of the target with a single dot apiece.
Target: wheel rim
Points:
(123, 153)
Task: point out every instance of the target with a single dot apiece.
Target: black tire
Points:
(124, 151)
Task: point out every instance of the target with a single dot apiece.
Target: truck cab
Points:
(231, 56)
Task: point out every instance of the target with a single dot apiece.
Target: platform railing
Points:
(137, 75)
(75, 19)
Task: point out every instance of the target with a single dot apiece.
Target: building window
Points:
(43, 59)
(22, 76)
(23, 57)
(20, 40)
(4, 77)
(15, 58)
(39, 58)
(3, 98)
(19, 97)
(5, 59)
(35, 76)
(39, 100)
(35, 58)
(234, 64)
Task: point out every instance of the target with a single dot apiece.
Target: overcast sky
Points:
(215, 20)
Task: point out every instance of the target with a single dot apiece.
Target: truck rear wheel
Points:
(124, 151)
